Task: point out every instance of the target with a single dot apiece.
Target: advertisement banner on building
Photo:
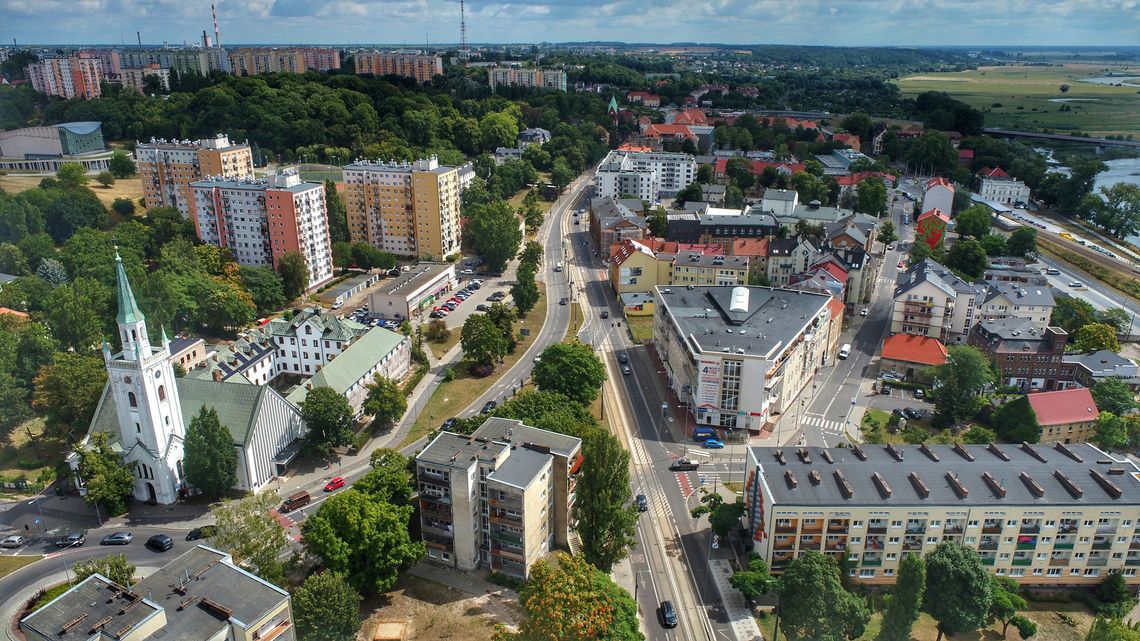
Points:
(708, 383)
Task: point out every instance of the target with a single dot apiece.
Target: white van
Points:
(845, 351)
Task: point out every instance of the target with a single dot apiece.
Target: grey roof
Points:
(413, 279)
(785, 246)
(180, 343)
(216, 580)
(609, 212)
(330, 326)
(633, 204)
(456, 450)
(786, 195)
(714, 189)
(7, 278)
(750, 218)
(81, 128)
(815, 213)
(511, 431)
(941, 277)
(771, 321)
(1102, 362)
(705, 260)
(851, 258)
(904, 491)
(1014, 333)
(521, 468)
(1019, 293)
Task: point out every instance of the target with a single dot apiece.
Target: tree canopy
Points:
(961, 381)
(247, 531)
(210, 459)
(974, 222)
(963, 587)
(328, 420)
(571, 369)
(571, 600)
(482, 341)
(905, 602)
(1093, 337)
(385, 401)
(606, 519)
(493, 231)
(109, 481)
(327, 608)
(814, 605)
(1016, 421)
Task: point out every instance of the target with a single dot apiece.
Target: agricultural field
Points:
(1030, 98)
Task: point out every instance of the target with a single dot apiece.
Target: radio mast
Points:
(463, 54)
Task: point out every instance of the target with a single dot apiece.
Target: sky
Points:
(415, 22)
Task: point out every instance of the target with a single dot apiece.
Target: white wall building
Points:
(938, 194)
(1000, 187)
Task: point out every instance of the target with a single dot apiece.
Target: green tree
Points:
(658, 222)
(978, 435)
(436, 331)
(52, 271)
(112, 566)
(691, 193)
(524, 292)
(247, 530)
(124, 207)
(385, 401)
(68, 390)
(493, 230)
(994, 244)
(265, 287)
(1025, 626)
(1111, 431)
(607, 522)
(72, 174)
(1113, 395)
(105, 178)
(294, 274)
(906, 600)
(364, 539)
(1071, 314)
(498, 129)
(932, 154)
(754, 581)
(504, 318)
(532, 254)
(887, 233)
(871, 197)
(963, 378)
(211, 458)
(109, 481)
(1115, 595)
(974, 222)
(1118, 318)
(337, 214)
(570, 600)
(967, 256)
(561, 174)
(1016, 421)
(121, 165)
(739, 170)
(12, 260)
(326, 608)
(388, 480)
(814, 605)
(72, 209)
(482, 341)
(1094, 337)
(571, 369)
(1108, 629)
(328, 420)
(733, 197)
(1117, 210)
(955, 574)
(1006, 601)
(1022, 242)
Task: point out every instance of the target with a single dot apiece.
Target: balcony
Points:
(810, 542)
(988, 560)
(1028, 527)
(1134, 544)
(953, 538)
(838, 526)
(443, 500)
(435, 510)
(1067, 527)
(1026, 542)
(509, 537)
(835, 543)
(991, 527)
(988, 544)
(1107, 528)
(1062, 560)
(512, 503)
(1101, 543)
(785, 544)
(501, 517)
(812, 528)
(877, 527)
(916, 527)
(508, 554)
(912, 543)
(1097, 561)
(435, 541)
(1064, 543)
(874, 561)
(1133, 559)
(432, 477)
(953, 527)
(786, 527)
(874, 543)
(1022, 561)
(439, 532)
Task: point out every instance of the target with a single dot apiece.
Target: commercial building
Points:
(500, 498)
(137, 78)
(1025, 354)
(536, 78)
(407, 209)
(53, 141)
(414, 292)
(1000, 187)
(421, 67)
(1065, 416)
(931, 301)
(1043, 515)
(261, 220)
(168, 167)
(79, 76)
(201, 594)
(738, 355)
(648, 176)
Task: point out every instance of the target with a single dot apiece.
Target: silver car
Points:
(13, 541)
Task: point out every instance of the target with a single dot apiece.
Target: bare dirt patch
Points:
(435, 612)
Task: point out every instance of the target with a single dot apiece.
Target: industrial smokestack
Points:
(139, 36)
(217, 34)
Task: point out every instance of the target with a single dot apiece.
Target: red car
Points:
(334, 483)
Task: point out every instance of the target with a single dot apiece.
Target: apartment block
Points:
(931, 301)
(183, 61)
(1040, 514)
(739, 355)
(136, 78)
(168, 167)
(408, 209)
(648, 176)
(500, 498)
(321, 59)
(260, 220)
(262, 60)
(78, 76)
(422, 67)
(536, 78)
(1025, 354)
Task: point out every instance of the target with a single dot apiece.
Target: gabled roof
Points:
(1075, 405)
(936, 274)
(994, 172)
(833, 268)
(910, 348)
(937, 213)
(351, 365)
(851, 140)
(939, 181)
(628, 248)
(854, 179)
(966, 153)
(658, 130)
(690, 117)
(1019, 293)
(752, 247)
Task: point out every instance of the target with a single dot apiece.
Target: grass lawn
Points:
(641, 327)
(441, 348)
(1026, 96)
(9, 564)
(131, 188)
(26, 452)
(453, 397)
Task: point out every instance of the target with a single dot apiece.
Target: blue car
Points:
(714, 444)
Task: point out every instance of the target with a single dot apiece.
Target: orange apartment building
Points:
(319, 59)
(260, 220)
(79, 76)
(257, 61)
(421, 67)
(168, 167)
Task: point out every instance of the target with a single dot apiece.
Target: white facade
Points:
(780, 202)
(648, 176)
(1004, 190)
(939, 195)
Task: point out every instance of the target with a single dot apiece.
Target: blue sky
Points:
(813, 22)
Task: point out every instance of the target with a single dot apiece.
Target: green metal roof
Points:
(129, 311)
(351, 364)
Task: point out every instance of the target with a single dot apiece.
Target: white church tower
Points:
(146, 400)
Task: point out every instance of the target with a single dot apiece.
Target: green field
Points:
(1026, 97)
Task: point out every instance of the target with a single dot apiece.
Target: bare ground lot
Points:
(438, 613)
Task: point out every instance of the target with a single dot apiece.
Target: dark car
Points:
(605, 314)
(481, 308)
(642, 503)
(496, 297)
(204, 532)
(668, 614)
(160, 543)
(117, 538)
(622, 358)
(885, 390)
(488, 407)
(74, 539)
(912, 413)
(563, 301)
(448, 423)
(683, 465)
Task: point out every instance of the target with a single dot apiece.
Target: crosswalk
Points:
(825, 425)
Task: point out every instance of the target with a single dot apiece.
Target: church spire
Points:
(129, 312)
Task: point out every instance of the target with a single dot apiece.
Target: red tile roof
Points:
(792, 123)
(995, 172)
(854, 179)
(1064, 406)
(934, 182)
(965, 153)
(851, 140)
(914, 349)
(14, 312)
(837, 308)
(690, 117)
(933, 212)
(657, 130)
(750, 247)
(758, 166)
(631, 147)
(835, 270)
(628, 248)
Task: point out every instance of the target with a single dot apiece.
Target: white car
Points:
(863, 312)
(13, 541)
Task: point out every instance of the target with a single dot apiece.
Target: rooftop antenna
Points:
(217, 34)
(463, 54)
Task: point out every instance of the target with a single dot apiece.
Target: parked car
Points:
(204, 532)
(683, 465)
(117, 538)
(481, 308)
(488, 407)
(335, 483)
(448, 423)
(642, 503)
(496, 297)
(73, 539)
(713, 444)
(863, 312)
(912, 413)
(919, 394)
(13, 541)
(605, 314)
(160, 542)
(885, 390)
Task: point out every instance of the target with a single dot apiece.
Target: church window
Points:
(138, 428)
(132, 400)
(127, 380)
(162, 392)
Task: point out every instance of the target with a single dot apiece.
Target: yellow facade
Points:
(407, 210)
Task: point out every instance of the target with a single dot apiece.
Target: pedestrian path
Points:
(739, 616)
(826, 426)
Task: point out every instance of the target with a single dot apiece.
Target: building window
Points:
(132, 400)
(162, 392)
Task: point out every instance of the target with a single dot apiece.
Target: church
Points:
(145, 411)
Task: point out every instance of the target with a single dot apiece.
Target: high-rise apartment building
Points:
(78, 76)
(539, 78)
(320, 59)
(407, 209)
(260, 220)
(183, 61)
(261, 60)
(422, 67)
(136, 78)
(168, 167)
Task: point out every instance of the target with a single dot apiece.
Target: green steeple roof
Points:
(613, 104)
(129, 311)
